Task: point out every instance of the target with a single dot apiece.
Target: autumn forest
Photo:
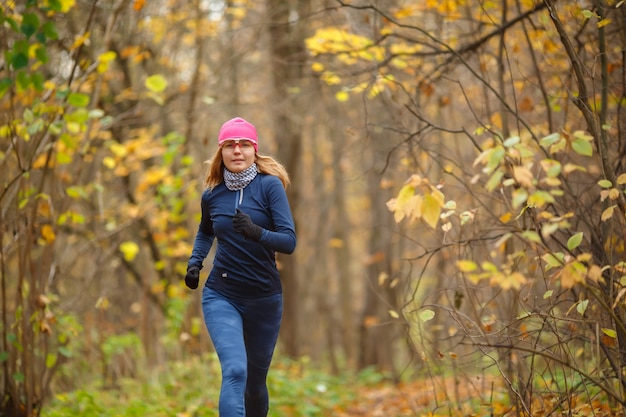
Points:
(458, 184)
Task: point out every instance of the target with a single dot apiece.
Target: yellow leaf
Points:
(382, 278)
(102, 303)
(415, 180)
(523, 176)
(394, 314)
(130, 250)
(317, 67)
(621, 179)
(331, 78)
(405, 194)
(48, 233)
(413, 208)
(335, 243)
(431, 209)
(595, 273)
(466, 266)
(156, 83)
(406, 12)
(474, 278)
(342, 96)
(515, 280)
(392, 206)
(571, 275)
(66, 5)
(118, 149)
(104, 60)
(155, 175)
(438, 196)
(108, 162)
(80, 40)
(506, 217)
(608, 213)
(614, 193)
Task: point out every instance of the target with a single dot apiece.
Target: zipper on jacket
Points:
(238, 203)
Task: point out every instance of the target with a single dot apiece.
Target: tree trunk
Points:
(287, 56)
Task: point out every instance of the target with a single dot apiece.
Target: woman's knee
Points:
(235, 371)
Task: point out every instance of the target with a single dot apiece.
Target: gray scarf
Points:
(237, 180)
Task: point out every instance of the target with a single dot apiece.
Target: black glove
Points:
(192, 278)
(243, 224)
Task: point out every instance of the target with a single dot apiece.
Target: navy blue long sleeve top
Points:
(243, 267)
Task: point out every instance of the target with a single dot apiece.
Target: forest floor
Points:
(462, 398)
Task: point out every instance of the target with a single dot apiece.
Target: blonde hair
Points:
(265, 165)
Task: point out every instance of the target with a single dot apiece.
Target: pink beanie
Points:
(238, 128)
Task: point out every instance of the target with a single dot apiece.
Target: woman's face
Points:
(237, 154)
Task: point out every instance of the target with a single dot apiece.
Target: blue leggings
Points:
(244, 334)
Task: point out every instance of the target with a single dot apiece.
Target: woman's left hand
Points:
(243, 224)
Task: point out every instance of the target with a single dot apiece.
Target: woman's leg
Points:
(262, 318)
(224, 323)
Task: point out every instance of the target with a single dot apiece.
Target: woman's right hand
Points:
(192, 278)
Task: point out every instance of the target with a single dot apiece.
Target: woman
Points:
(244, 207)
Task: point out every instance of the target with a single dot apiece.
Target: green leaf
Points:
(574, 241)
(78, 99)
(495, 158)
(28, 116)
(30, 23)
(553, 260)
(187, 160)
(4, 356)
(76, 192)
(55, 5)
(589, 14)
(65, 352)
(539, 199)
(426, 315)
(38, 80)
(156, 83)
(23, 80)
(51, 360)
(19, 60)
(582, 307)
(42, 54)
(551, 139)
(514, 140)
(18, 377)
(582, 147)
(35, 127)
(605, 183)
(50, 30)
(5, 84)
(519, 197)
(531, 236)
(13, 24)
(494, 180)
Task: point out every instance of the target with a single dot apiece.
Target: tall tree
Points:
(287, 64)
